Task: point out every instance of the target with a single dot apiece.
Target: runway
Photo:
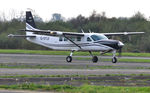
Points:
(58, 60)
(71, 71)
(23, 91)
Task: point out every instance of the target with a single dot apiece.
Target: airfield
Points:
(57, 65)
(80, 71)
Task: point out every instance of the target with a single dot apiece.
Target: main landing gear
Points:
(94, 58)
(69, 58)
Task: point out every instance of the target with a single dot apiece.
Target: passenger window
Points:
(72, 38)
(60, 39)
(65, 39)
(78, 38)
(88, 39)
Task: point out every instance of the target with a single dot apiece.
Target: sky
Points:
(72, 8)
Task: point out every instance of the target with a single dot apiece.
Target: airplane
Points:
(59, 40)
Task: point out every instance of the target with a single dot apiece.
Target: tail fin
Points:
(30, 24)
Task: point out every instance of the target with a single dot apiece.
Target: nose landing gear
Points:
(114, 59)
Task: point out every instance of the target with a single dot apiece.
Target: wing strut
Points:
(72, 41)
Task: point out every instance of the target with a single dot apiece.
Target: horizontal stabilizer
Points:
(11, 35)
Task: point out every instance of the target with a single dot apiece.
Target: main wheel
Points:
(95, 59)
(68, 59)
(114, 60)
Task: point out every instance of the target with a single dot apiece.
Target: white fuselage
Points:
(60, 43)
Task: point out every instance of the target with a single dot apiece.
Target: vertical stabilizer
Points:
(30, 24)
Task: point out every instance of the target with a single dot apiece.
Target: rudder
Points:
(29, 19)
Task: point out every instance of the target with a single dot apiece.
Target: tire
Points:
(114, 60)
(95, 59)
(68, 59)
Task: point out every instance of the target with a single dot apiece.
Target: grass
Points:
(62, 76)
(80, 89)
(50, 52)
(56, 67)
(38, 66)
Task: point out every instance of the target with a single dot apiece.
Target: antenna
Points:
(82, 30)
(90, 31)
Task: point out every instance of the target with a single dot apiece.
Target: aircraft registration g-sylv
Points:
(58, 40)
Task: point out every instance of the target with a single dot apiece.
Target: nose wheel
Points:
(68, 59)
(114, 60)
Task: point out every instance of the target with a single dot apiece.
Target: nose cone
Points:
(120, 44)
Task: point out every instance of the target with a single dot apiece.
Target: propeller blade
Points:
(120, 52)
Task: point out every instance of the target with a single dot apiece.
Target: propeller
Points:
(120, 52)
(120, 44)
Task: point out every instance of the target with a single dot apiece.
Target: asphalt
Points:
(60, 60)
(71, 71)
(23, 91)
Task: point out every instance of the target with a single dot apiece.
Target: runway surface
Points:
(58, 60)
(23, 91)
(71, 71)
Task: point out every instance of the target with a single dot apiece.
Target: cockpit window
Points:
(98, 37)
(88, 39)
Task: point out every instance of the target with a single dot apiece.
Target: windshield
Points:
(98, 37)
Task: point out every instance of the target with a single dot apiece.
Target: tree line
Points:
(96, 22)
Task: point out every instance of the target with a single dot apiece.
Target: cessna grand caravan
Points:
(58, 40)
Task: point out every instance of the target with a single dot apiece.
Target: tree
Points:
(57, 17)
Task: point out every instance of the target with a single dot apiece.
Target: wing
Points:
(122, 33)
(54, 33)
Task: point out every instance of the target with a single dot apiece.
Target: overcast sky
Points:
(72, 8)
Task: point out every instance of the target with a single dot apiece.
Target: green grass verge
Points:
(62, 67)
(81, 89)
(50, 52)
(62, 76)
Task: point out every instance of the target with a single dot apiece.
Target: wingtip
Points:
(10, 35)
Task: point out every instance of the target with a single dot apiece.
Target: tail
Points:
(30, 24)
